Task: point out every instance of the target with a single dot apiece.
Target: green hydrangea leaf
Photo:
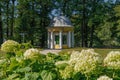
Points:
(46, 75)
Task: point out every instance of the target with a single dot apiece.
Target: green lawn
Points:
(103, 52)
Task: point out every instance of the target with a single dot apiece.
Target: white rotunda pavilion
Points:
(60, 33)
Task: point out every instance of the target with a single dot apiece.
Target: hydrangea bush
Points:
(104, 78)
(74, 58)
(86, 62)
(67, 72)
(112, 60)
(10, 46)
(84, 65)
(31, 53)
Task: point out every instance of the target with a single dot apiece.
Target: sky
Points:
(111, 0)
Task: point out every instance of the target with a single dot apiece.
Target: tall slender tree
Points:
(1, 27)
(7, 18)
(84, 25)
(12, 18)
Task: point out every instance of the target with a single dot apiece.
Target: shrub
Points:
(31, 53)
(61, 64)
(26, 45)
(87, 61)
(104, 78)
(112, 60)
(67, 72)
(74, 57)
(10, 46)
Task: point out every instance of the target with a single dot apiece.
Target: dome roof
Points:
(60, 21)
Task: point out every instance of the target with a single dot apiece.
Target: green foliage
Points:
(79, 76)
(117, 10)
(96, 23)
(84, 65)
(61, 64)
(46, 75)
(26, 45)
(66, 73)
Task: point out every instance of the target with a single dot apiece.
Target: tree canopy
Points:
(96, 22)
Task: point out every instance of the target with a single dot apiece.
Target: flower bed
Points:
(30, 64)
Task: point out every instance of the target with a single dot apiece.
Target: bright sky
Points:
(111, 0)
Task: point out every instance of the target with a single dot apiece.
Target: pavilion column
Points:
(48, 39)
(69, 39)
(51, 45)
(72, 39)
(60, 39)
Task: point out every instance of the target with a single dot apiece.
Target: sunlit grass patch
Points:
(102, 51)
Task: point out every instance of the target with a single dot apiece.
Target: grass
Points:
(102, 51)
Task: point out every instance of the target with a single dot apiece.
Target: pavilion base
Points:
(58, 47)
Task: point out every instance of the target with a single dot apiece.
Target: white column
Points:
(69, 39)
(48, 40)
(51, 45)
(60, 39)
(72, 39)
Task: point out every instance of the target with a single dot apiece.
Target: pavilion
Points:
(60, 33)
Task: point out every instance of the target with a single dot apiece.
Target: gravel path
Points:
(50, 51)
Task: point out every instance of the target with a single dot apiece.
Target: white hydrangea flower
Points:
(74, 57)
(31, 53)
(67, 72)
(10, 46)
(72, 62)
(2, 61)
(75, 54)
(87, 61)
(61, 62)
(112, 60)
(19, 59)
(104, 78)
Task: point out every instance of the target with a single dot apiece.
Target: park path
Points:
(45, 51)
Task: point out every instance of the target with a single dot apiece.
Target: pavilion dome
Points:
(60, 21)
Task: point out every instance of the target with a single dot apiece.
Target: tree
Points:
(84, 32)
(91, 20)
(7, 17)
(12, 18)
(106, 31)
(1, 27)
(117, 14)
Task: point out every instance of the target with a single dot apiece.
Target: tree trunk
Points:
(12, 19)
(1, 31)
(84, 27)
(32, 24)
(43, 26)
(7, 20)
(93, 26)
(91, 36)
(43, 34)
